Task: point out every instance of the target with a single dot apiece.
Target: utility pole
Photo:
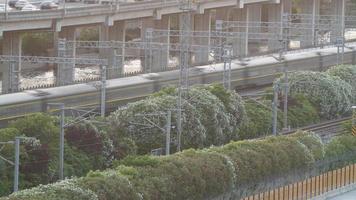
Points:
(168, 131)
(286, 91)
(354, 120)
(340, 44)
(185, 19)
(16, 164)
(227, 54)
(148, 50)
(103, 91)
(61, 138)
(286, 84)
(275, 109)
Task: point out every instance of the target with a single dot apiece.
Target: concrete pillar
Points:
(275, 14)
(313, 10)
(159, 57)
(202, 22)
(254, 14)
(338, 9)
(10, 72)
(240, 45)
(115, 57)
(64, 73)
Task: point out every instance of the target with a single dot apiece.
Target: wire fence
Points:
(324, 176)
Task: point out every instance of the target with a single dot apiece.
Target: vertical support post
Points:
(185, 41)
(354, 120)
(219, 27)
(286, 90)
(275, 109)
(168, 132)
(14, 77)
(61, 143)
(227, 53)
(61, 53)
(103, 91)
(16, 164)
(148, 50)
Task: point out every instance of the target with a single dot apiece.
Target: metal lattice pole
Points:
(275, 109)
(227, 54)
(103, 91)
(354, 120)
(168, 131)
(148, 50)
(185, 40)
(61, 138)
(16, 164)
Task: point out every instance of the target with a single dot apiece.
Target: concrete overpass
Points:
(159, 14)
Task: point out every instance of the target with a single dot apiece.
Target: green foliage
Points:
(211, 116)
(89, 34)
(39, 125)
(259, 120)
(346, 73)
(109, 185)
(88, 138)
(67, 189)
(313, 142)
(301, 112)
(237, 168)
(37, 43)
(331, 94)
(139, 161)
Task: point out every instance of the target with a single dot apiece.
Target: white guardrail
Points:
(87, 10)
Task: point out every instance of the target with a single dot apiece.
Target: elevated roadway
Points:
(107, 14)
(255, 72)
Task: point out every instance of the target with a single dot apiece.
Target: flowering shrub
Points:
(331, 94)
(237, 169)
(210, 117)
(67, 189)
(346, 73)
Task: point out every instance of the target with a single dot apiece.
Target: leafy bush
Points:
(130, 123)
(239, 168)
(88, 138)
(67, 189)
(301, 112)
(330, 94)
(346, 73)
(259, 120)
(210, 117)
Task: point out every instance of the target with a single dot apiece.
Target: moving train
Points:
(253, 72)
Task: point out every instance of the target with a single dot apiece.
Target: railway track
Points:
(326, 130)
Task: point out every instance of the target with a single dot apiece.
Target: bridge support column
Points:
(338, 9)
(240, 45)
(314, 11)
(10, 72)
(275, 14)
(254, 14)
(159, 57)
(65, 73)
(115, 57)
(202, 22)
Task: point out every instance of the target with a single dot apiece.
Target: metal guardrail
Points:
(92, 10)
(87, 10)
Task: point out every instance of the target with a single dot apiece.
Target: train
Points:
(252, 72)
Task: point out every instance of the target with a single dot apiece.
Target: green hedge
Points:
(238, 168)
